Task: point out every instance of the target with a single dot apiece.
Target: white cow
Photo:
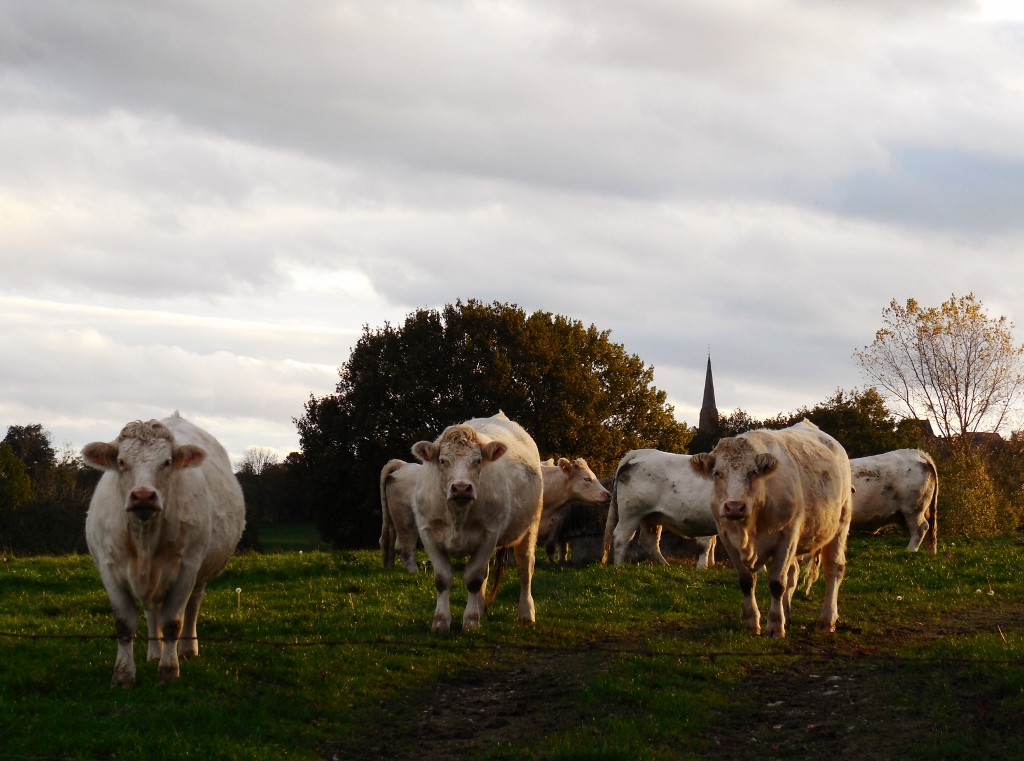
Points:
(654, 489)
(568, 481)
(480, 488)
(777, 495)
(164, 520)
(902, 485)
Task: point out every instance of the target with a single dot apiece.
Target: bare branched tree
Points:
(951, 364)
(255, 460)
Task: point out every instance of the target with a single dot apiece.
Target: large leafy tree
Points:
(952, 364)
(574, 390)
(32, 445)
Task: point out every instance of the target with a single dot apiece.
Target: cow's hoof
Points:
(122, 679)
(527, 620)
(471, 623)
(167, 674)
(776, 633)
(440, 624)
(827, 626)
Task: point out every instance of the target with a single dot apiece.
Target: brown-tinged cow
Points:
(480, 488)
(164, 520)
(778, 495)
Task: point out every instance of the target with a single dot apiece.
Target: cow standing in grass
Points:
(899, 486)
(568, 481)
(777, 495)
(164, 520)
(480, 488)
(654, 489)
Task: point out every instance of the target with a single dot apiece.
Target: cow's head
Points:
(143, 457)
(583, 484)
(459, 456)
(739, 475)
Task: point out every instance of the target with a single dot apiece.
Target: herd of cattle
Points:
(168, 512)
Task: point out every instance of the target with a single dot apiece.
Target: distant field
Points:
(584, 692)
(291, 537)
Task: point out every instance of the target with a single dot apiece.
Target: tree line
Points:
(579, 394)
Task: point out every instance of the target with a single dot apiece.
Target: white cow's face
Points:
(739, 477)
(583, 484)
(459, 457)
(144, 457)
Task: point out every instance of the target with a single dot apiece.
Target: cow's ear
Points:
(188, 456)
(100, 455)
(565, 465)
(492, 450)
(425, 451)
(765, 463)
(702, 464)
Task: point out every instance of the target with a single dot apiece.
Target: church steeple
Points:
(708, 410)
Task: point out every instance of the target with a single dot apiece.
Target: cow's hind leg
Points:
(833, 563)
(792, 577)
(623, 535)
(918, 525)
(525, 551)
(649, 540)
(188, 641)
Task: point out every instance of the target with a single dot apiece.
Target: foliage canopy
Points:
(574, 390)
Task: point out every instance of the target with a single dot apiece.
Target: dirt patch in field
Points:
(476, 709)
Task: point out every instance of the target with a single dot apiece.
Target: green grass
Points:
(249, 701)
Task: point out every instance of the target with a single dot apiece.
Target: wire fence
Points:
(857, 653)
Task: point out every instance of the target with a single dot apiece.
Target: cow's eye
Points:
(477, 461)
(717, 474)
(588, 479)
(443, 461)
(120, 463)
(167, 463)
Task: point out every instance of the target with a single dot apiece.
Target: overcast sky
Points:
(202, 203)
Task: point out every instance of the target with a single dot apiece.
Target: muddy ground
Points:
(818, 707)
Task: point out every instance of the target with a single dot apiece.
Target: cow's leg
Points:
(171, 620)
(476, 585)
(153, 647)
(524, 552)
(747, 579)
(405, 545)
(443, 577)
(778, 576)
(126, 623)
(188, 642)
(918, 525)
(650, 542)
(387, 542)
(707, 551)
(628, 523)
(562, 550)
(833, 564)
(792, 578)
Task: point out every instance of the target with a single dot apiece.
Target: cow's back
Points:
(209, 493)
(885, 482)
(512, 485)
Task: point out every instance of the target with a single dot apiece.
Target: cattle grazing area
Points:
(617, 665)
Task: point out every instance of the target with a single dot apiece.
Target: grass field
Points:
(579, 695)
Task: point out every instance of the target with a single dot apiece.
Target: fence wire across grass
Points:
(857, 653)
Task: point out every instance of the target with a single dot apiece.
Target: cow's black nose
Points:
(460, 490)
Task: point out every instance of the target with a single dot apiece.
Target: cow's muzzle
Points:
(143, 504)
(735, 511)
(461, 492)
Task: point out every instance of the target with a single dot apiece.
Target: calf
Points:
(902, 485)
(164, 520)
(565, 483)
(654, 489)
(480, 488)
(777, 495)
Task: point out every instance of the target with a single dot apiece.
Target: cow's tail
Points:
(500, 564)
(932, 534)
(388, 534)
(812, 570)
(612, 520)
